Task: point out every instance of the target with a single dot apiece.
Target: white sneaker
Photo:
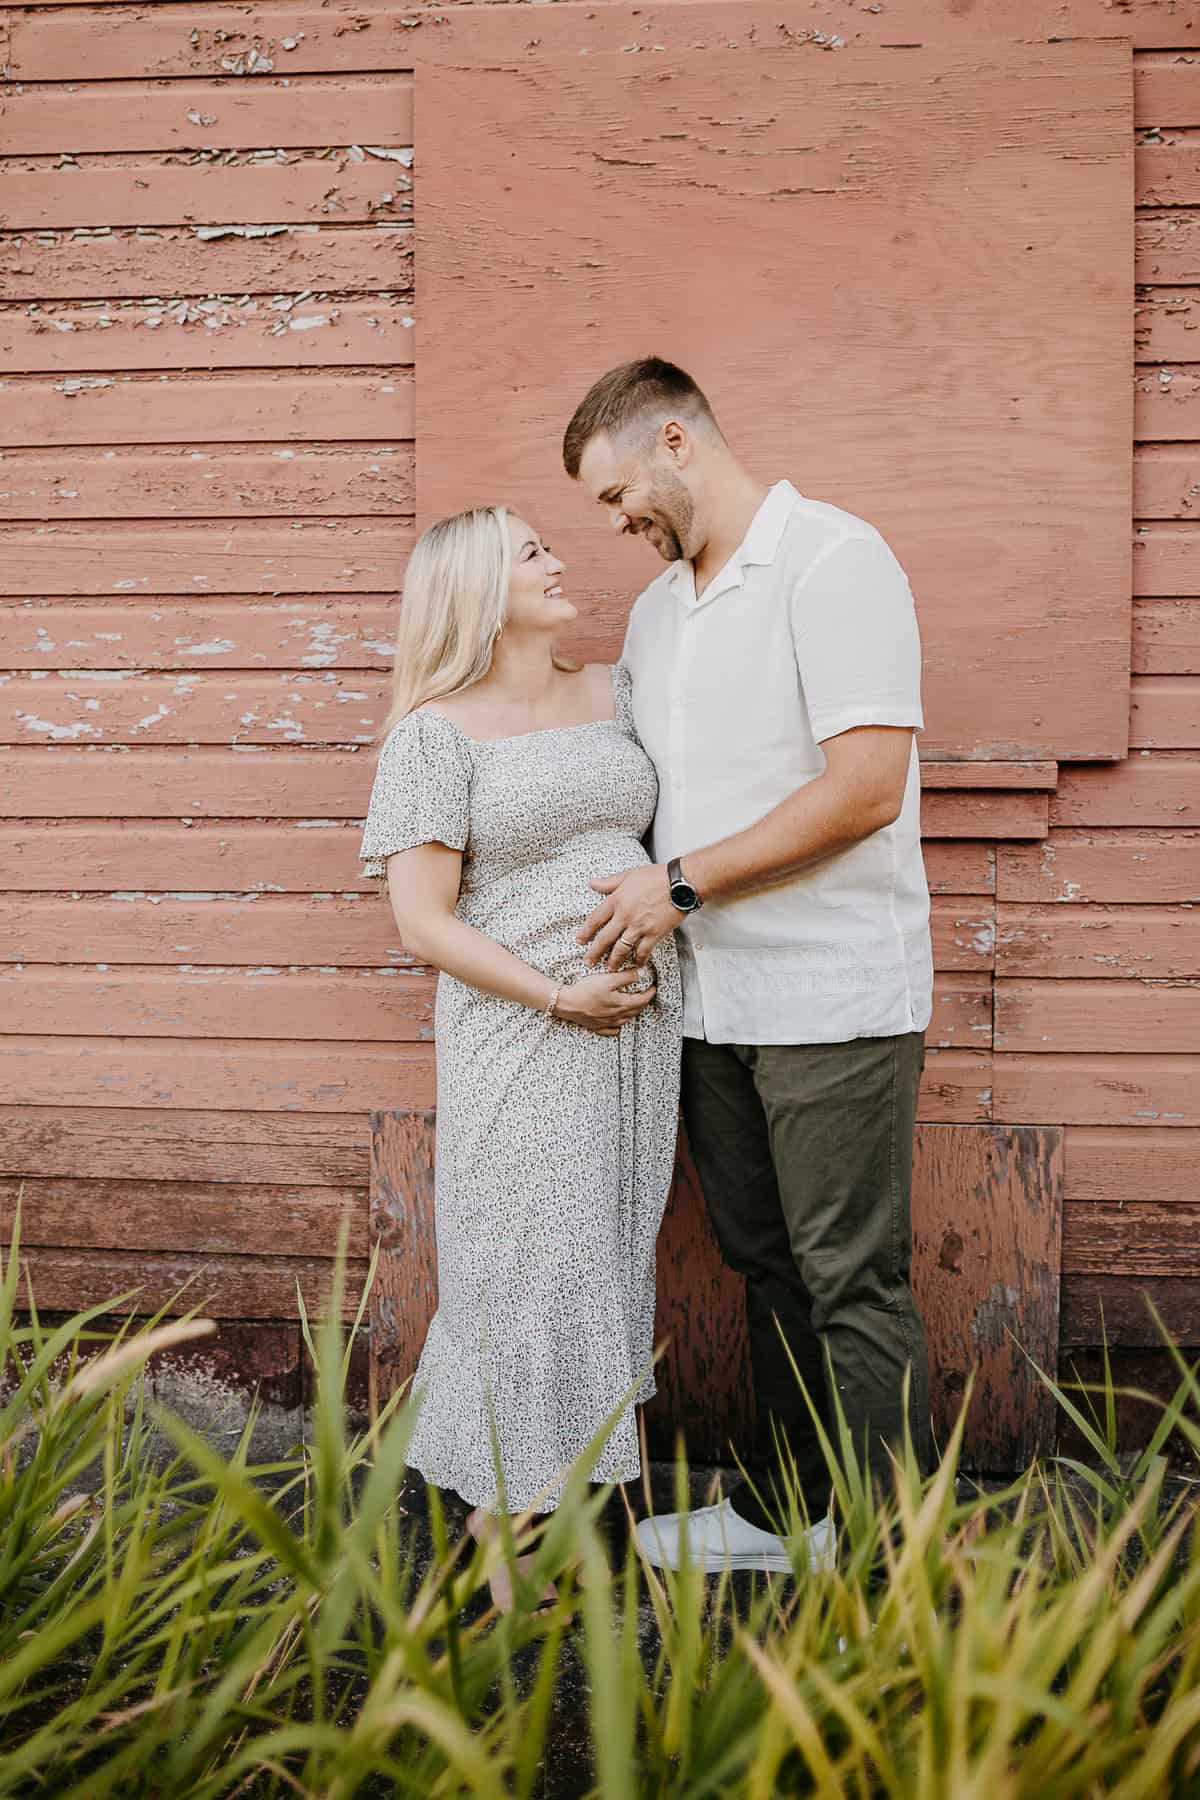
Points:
(719, 1538)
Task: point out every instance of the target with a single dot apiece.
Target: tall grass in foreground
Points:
(192, 1625)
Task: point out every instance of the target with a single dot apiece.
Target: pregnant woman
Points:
(508, 779)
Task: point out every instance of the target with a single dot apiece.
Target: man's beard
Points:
(673, 523)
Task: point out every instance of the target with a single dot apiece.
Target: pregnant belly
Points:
(535, 911)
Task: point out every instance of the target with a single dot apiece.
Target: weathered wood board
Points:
(629, 202)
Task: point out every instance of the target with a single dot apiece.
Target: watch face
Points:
(684, 896)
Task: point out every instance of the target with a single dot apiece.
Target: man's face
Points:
(642, 493)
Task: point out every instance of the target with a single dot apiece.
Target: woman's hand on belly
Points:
(600, 1002)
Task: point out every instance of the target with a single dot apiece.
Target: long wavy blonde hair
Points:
(452, 611)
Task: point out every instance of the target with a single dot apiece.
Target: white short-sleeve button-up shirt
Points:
(807, 631)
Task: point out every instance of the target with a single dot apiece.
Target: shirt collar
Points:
(760, 545)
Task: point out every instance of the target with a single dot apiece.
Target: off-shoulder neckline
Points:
(517, 737)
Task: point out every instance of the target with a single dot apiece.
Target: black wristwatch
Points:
(684, 897)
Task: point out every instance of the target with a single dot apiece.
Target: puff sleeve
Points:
(421, 793)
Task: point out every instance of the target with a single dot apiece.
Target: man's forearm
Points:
(812, 823)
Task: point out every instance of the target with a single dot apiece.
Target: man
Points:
(776, 685)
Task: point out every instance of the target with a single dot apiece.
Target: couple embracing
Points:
(758, 732)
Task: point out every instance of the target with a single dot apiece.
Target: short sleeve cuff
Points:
(831, 724)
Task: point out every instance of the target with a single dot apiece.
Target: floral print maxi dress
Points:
(555, 1146)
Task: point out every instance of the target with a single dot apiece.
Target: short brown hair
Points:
(627, 394)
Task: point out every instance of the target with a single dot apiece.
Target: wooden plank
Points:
(324, 706)
(1166, 482)
(220, 1287)
(194, 482)
(202, 331)
(1165, 322)
(1113, 943)
(107, 42)
(207, 409)
(226, 1218)
(987, 1281)
(1141, 1238)
(307, 631)
(1096, 1307)
(178, 859)
(254, 1077)
(254, 782)
(963, 932)
(1058, 116)
(1166, 560)
(1167, 168)
(1140, 1017)
(956, 868)
(962, 1012)
(1146, 790)
(1097, 1090)
(236, 556)
(293, 931)
(1166, 635)
(390, 1005)
(1167, 248)
(1112, 1163)
(277, 189)
(957, 1087)
(1166, 404)
(1164, 86)
(150, 1144)
(1164, 712)
(1147, 1377)
(1145, 867)
(404, 1296)
(344, 259)
(274, 111)
(966, 814)
(1008, 775)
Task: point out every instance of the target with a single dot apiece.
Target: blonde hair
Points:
(452, 612)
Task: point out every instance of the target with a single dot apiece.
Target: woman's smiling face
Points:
(536, 601)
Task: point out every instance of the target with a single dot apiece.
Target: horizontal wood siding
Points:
(207, 491)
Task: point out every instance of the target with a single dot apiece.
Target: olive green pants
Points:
(804, 1152)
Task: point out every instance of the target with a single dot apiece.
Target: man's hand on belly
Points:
(636, 916)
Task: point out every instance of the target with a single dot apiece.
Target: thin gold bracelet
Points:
(548, 1010)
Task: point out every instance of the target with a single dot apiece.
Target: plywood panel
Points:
(207, 331)
(227, 1218)
(308, 631)
(237, 556)
(1166, 633)
(1166, 559)
(150, 1144)
(1058, 115)
(390, 1005)
(343, 259)
(192, 409)
(1098, 1090)
(1116, 943)
(284, 930)
(238, 858)
(1146, 790)
(257, 781)
(203, 482)
(1144, 867)
(1113, 1163)
(987, 1223)
(233, 1073)
(1143, 1017)
(1165, 712)
(271, 111)
(324, 706)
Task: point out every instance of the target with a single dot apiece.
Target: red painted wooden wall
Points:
(207, 484)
